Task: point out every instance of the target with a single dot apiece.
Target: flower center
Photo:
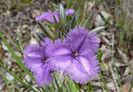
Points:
(75, 53)
(43, 59)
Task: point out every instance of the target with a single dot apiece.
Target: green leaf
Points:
(72, 86)
(131, 86)
(99, 29)
(47, 31)
(62, 14)
(89, 87)
(73, 21)
(69, 3)
(88, 19)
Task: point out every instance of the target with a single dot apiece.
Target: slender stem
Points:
(89, 87)
(103, 83)
(88, 19)
(130, 89)
(110, 66)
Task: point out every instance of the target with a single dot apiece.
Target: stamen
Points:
(43, 60)
(75, 53)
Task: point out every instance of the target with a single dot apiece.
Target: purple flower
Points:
(76, 56)
(69, 12)
(53, 17)
(37, 61)
(83, 41)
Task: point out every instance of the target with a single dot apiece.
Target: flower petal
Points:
(33, 54)
(61, 56)
(82, 41)
(61, 63)
(32, 63)
(52, 17)
(33, 59)
(84, 67)
(34, 50)
(61, 52)
(43, 75)
(56, 48)
(69, 12)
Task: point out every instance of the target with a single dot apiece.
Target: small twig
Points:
(113, 76)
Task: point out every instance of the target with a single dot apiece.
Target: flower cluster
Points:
(74, 56)
(53, 17)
